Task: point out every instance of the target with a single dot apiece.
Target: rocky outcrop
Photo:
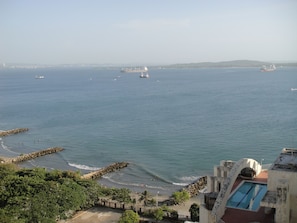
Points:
(32, 155)
(111, 168)
(194, 188)
(13, 131)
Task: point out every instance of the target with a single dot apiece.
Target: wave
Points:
(83, 167)
(190, 179)
(154, 175)
(186, 180)
(4, 147)
(180, 184)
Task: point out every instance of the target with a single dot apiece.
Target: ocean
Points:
(172, 127)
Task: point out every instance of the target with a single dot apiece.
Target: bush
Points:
(129, 216)
(158, 214)
(180, 196)
(194, 211)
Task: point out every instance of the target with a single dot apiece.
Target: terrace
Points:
(235, 215)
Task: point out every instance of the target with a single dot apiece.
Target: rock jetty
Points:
(32, 155)
(194, 188)
(13, 131)
(110, 168)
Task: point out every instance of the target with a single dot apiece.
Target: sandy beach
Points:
(110, 215)
(96, 215)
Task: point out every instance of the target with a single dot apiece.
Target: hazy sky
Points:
(147, 32)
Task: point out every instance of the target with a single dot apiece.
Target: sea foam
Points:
(4, 147)
(83, 167)
(190, 179)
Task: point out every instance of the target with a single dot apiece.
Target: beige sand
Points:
(96, 215)
(108, 215)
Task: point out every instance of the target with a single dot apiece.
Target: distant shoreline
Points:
(219, 64)
(232, 64)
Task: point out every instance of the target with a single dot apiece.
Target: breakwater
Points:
(32, 155)
(194, 188)
(108, 169)
(13, 131)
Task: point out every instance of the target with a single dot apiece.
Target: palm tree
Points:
(145, 196)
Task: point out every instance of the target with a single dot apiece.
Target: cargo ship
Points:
(134, 70)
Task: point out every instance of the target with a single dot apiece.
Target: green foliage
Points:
(194, 211)
(129, 216)
(180, 196)
(37, 195)
(121, 195)
(7, 169)
(36, 172)
(145, 196)
(158, 214)
(147, 199)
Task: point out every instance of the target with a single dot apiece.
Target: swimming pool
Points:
(247, 195)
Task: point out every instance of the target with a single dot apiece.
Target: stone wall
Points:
(194, 188)
(13, 131)
(32, 155)
(110, 168)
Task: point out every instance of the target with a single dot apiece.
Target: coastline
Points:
(109, 210)
(192, 188)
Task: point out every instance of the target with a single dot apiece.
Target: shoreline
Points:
(109, 210)
(193, 188)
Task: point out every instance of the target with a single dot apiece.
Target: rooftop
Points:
(286, 161)
(233, 215)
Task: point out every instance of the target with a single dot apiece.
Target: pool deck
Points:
(233, 215)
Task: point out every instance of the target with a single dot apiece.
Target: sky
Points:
(146, 32)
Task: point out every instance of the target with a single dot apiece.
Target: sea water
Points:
(172, 127)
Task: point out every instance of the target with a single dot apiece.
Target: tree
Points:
(180, 196)
(129, 216)
(194, 211)
(4, 217)
(145, 196)
(174, 214)
(38, 195)
(121, 195)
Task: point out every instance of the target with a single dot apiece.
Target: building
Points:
(244, 192)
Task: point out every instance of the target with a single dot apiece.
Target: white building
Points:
(271, 195)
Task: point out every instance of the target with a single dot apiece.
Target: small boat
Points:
(268, 69)
(39, 77)
(293, 89)
(144, 75)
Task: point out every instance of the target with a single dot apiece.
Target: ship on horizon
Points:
(142, 70)
(134, 70)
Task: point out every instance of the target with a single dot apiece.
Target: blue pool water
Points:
(247, 196)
